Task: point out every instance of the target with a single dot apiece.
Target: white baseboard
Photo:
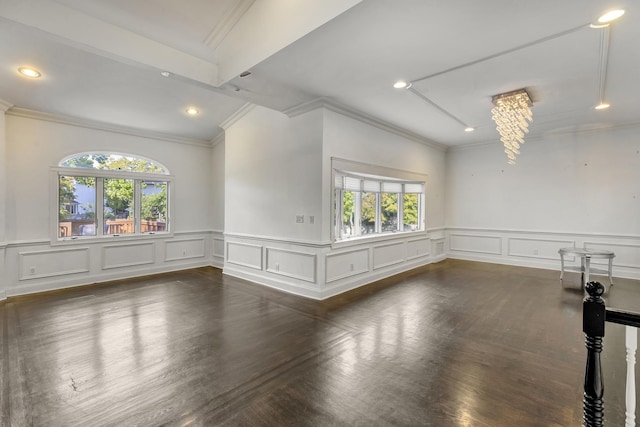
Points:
(69, 282)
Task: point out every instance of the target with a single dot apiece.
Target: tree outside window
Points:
(120, 196)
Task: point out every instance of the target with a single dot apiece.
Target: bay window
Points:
(367, 205)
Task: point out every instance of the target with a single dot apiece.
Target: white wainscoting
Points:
(4, 280)
(54, 262)
(539, 249)
(180, 249)
(218, 249)
(341, 265)
(389, 254)
(127, 255)
(417, 248)
(244, 254)
(536, 248)
(295, 264)
(37, 266)
(475, 243)
(321, 270)
(627, 254)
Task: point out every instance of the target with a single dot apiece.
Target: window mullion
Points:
(378, 213)
(100, 206)
(358, 212)
(401, 210)
(422, 211)
(137, 206)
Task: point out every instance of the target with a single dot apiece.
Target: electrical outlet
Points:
(311, 219)
(535, 252)
(299, 219)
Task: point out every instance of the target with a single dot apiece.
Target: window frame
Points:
(337, 195)
(100, 175)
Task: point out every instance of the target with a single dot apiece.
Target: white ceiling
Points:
(101, 61)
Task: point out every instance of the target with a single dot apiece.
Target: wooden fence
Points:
(117, 226)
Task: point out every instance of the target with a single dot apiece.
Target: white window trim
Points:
(336, 238)
(56, 172)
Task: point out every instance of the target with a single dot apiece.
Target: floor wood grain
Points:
(456, 343)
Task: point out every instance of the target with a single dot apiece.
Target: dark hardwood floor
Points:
(456, 343)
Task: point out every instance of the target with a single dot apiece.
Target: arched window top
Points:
(114, 162)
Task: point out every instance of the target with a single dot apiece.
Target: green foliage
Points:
(154, 206)
(410, 209)
(119, 192)
(119, 196)
(116, 163)
(348, 208)
(368, 214)
(67, 196)
(389, 204)
(89, 212)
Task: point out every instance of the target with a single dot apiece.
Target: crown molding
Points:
(217, 140)
(230, 19)
(239, 113)
(5, 105)
(107, 127)
(342, 109)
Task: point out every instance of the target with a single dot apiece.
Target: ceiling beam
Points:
(85, 32)
(267, 27)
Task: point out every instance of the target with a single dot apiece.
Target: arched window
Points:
(119, 162)
(111, 195)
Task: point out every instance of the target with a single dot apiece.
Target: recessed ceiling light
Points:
(165, 74)
(401, 84)
(193, 111)
(469, 129)
(29, 72)
(611, 16)
(602, 106)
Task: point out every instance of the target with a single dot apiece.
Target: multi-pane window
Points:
(76, 206)
(111, 195)
(369, 205)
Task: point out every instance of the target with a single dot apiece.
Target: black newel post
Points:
(593, 318)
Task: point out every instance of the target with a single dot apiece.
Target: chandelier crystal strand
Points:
(512, 115)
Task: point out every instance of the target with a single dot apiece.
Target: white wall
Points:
(3, 223)
(217, 200)
(565, 189)
(278, 167)
(34, 263)
(350, 139)
(273, 173)
(34, 146)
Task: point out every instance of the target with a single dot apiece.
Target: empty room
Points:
(319, 213)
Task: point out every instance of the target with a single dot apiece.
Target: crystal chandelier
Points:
(512, 114)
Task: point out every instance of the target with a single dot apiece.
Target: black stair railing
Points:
(595, 314)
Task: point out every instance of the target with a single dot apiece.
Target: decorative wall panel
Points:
(346, 264)
(218, 247)
(244, 254)
(627, 254)
(531, 247)
(184, 249)
(418, 248)
(127, 255)
(388, 254)
(298, 265)
(57, 262)
(475, 243)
